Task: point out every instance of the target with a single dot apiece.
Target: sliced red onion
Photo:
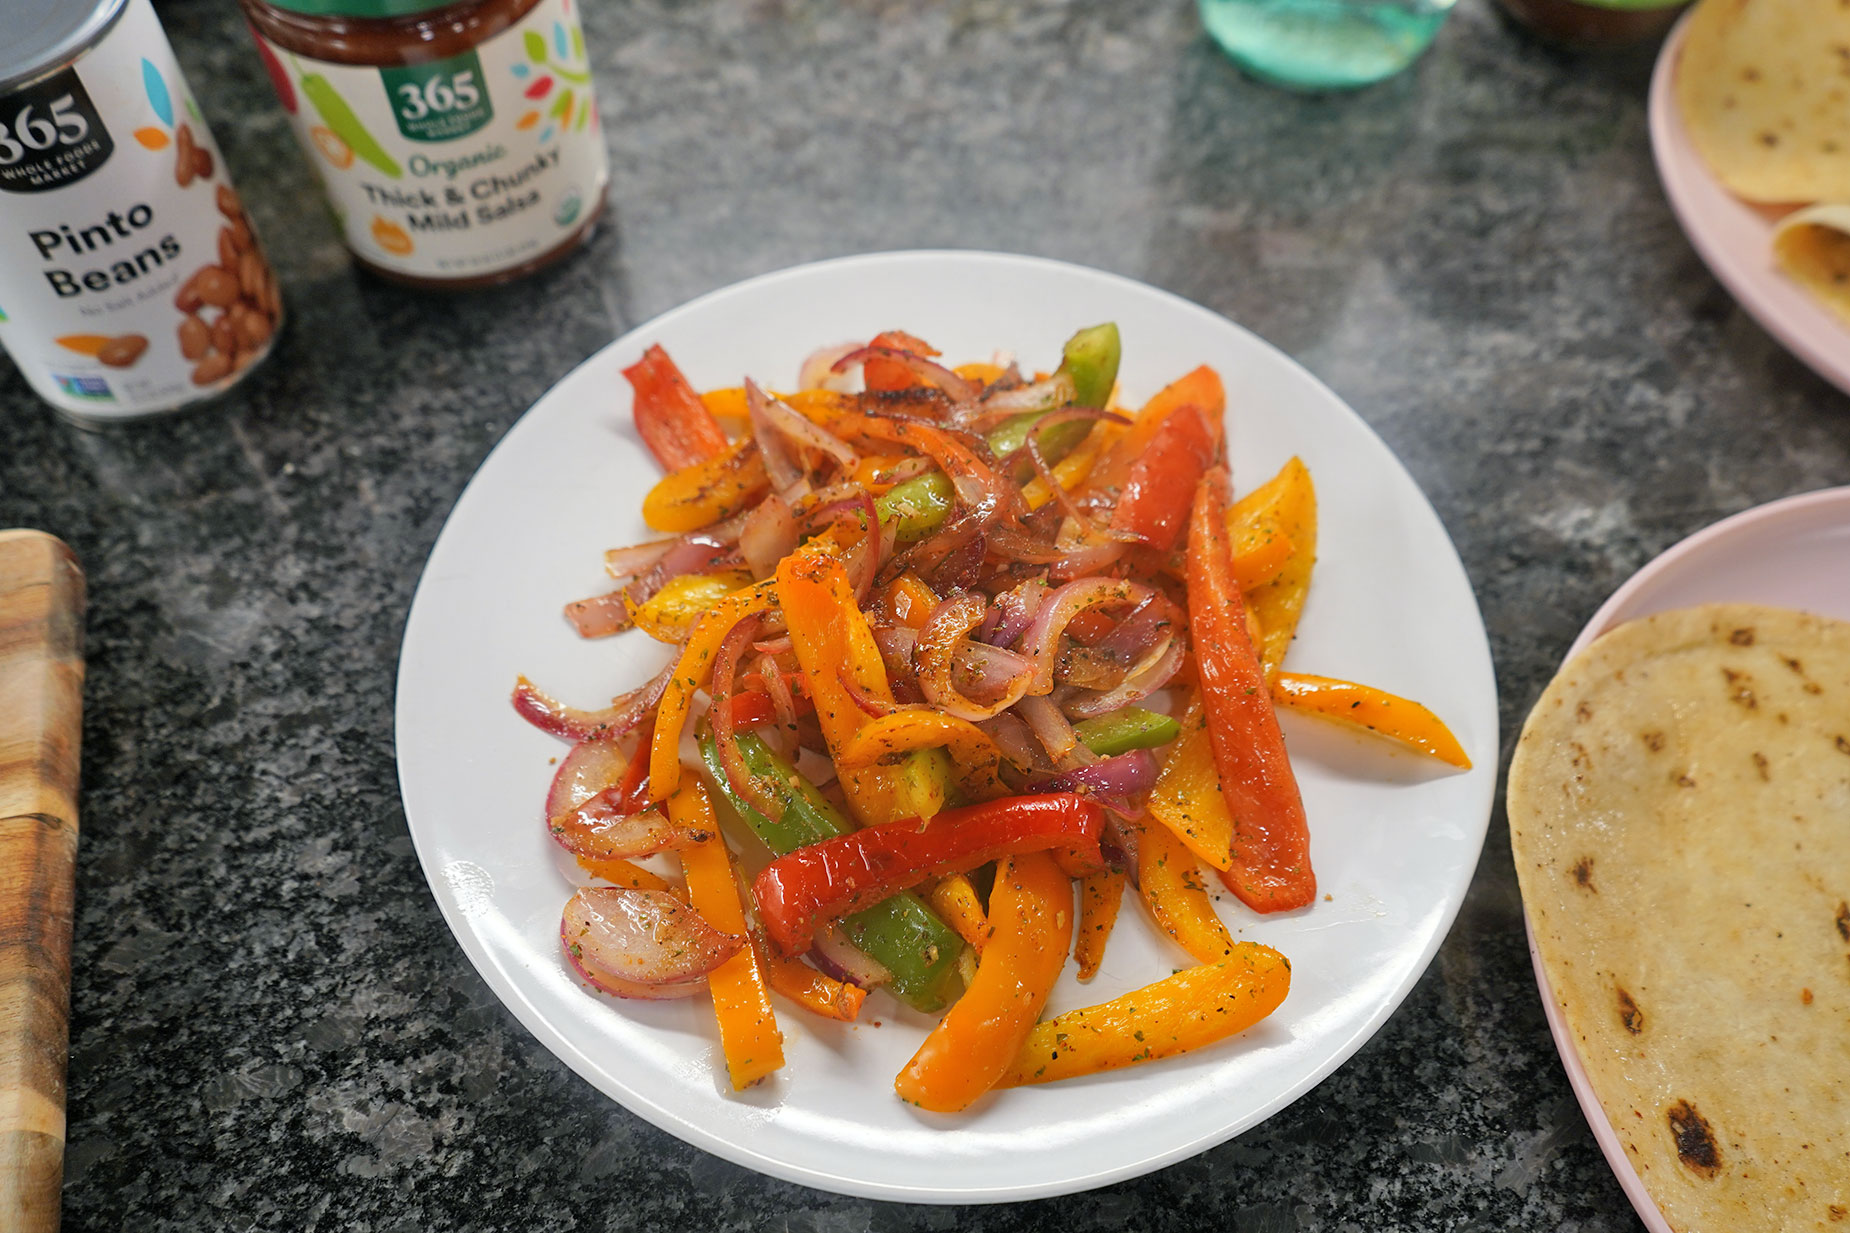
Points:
(637, 559)
(986, 673)
(641, 943)
(782, 735)
(957, 388)
(589, 768)
(945, 633)
(549, 715)
(794, 424)
(876, 707)
(601, 830)
(780, 467)
(896, 643)
(1041, 642)
(1055, 391)
(1087, 561)
(841, 959)
(1016, 741)
(1055, 733)
(1121, 777)
(745, 785)
(600, 615)
(818, 370)
(1143, 628)
(1142, 681)
(1014, 544)
(769, 535)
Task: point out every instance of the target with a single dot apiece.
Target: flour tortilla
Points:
(1679, 809)
(1813, 247)
(1764, 90)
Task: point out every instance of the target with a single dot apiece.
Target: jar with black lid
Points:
(459, 144)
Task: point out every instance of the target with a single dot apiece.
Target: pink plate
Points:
(1736, 240)
(1793, 553)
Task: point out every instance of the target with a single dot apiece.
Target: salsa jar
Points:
(1596, 25)
(131, 280)
(459, 144)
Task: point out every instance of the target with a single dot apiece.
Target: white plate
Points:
(1736, 240)
(1395, 837)
(1793, 553)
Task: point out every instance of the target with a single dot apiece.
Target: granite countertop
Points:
(272, 1029)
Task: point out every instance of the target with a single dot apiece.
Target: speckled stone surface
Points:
(272, 1029)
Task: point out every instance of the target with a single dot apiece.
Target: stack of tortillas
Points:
(1764, 90)
(1679, 809)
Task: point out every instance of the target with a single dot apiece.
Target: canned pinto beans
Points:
(131, 282)
(458, 143)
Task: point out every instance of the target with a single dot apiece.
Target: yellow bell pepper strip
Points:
(671, 419)
(619, 872)
(691, 672)
(1270, 870)
(727, 403)
(833, 645)
(1100, 896)
(808, 988)
(1288, 502)
(1187, 797)
(1261, 550)
(709, 491)
(980, 372)
(802, 890)
(973, 753)
(1169, 877)
(1031, 922)
(1380, 712)
(955, 899)
(669, 614)
(748, 1033)
(1189, 1010)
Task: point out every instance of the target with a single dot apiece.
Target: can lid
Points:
(46, 34)
(361, 8)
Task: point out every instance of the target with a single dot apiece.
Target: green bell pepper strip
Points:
(919, 505)
(900, 932)
(1090, 358)
(1124, 730)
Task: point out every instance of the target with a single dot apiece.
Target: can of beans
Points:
(131, 282)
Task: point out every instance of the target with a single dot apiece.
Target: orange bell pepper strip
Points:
(1031, 919)
(1194, 1008)
(708, 491)
(691, 673)
(1187, 797)
(1271, 870)
(727, 403)
(834, 645)
(972, 750)
(909, 601)
(670, 418)
(748, 1032)
(980, 371)
(808, 988)
(1287, 501)
(1376, 710)
(619, 872)
(1176, 895)
(1100, 896)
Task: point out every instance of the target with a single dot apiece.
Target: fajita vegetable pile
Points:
(948, 641)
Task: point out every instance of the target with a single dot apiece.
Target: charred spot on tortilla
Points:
(1843, 745)
(1583, 874)
(1696, 1146)
(1684, 781)
(1654, 741)
(1843, 920)
(1760, 764)
(1583, 712)
(1743, 636)
(1629, 1014)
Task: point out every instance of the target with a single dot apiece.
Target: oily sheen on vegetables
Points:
(952, 642)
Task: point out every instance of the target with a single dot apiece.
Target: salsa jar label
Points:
(130, 279)
(460, 167)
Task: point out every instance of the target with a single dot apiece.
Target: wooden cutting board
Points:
(41, 708)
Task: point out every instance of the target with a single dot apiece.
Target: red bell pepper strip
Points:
(671, 419)
(799, 892)
(1153, 504)
(884, 374)
(1270, 871)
